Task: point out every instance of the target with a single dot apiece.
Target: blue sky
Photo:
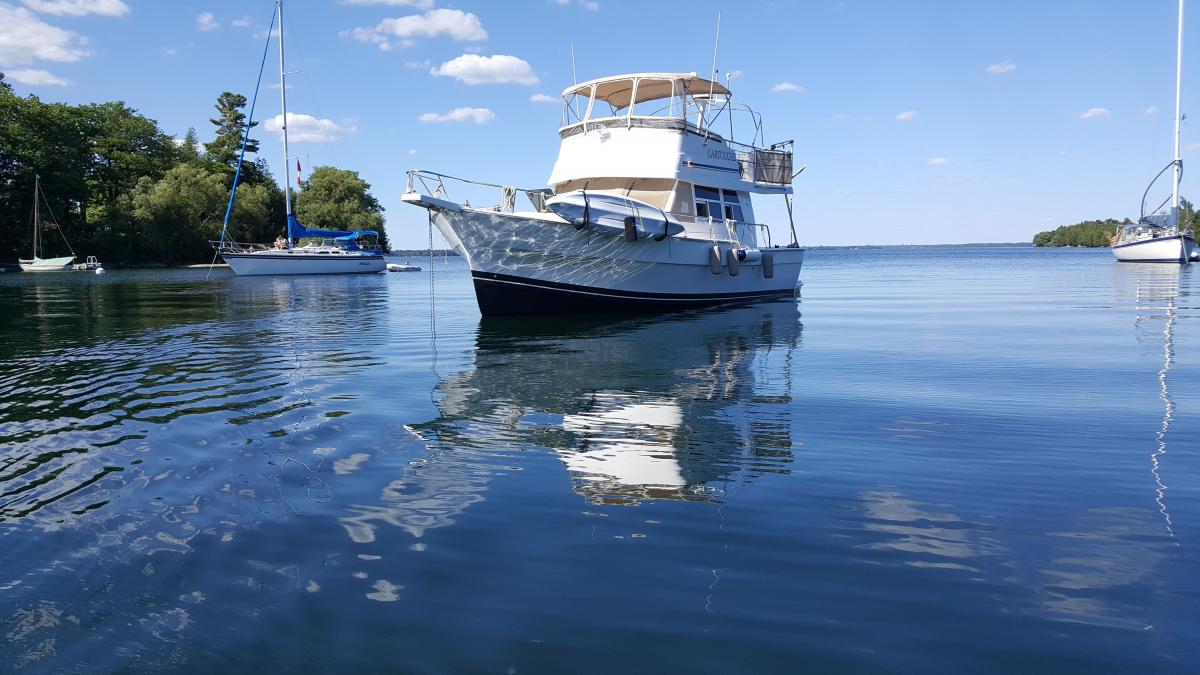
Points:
(920, 122)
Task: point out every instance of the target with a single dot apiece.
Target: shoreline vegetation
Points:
(122, 189)
(1099, 233)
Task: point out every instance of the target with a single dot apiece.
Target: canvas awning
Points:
(617, 91)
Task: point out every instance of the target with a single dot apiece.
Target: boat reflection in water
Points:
(663, 408)
(1156, 292)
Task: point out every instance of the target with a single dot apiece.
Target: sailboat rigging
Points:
(37, 263)
(1158, 237)
(338, 251)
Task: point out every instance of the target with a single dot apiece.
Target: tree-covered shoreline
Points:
(129, 193)
(1099, 233)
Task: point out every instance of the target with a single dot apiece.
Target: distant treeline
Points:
(1087, 233)
(413, 252)
(124, 190)
(1099, 233)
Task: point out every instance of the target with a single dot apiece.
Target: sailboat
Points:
(1158, 237)
(37, 263)
(338, 251)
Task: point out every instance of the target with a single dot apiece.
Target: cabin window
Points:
(718, 203)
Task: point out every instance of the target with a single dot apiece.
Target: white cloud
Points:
(542, 98)
(733, 74)
(1092, 113)
(1151, 111)
(243, 22)
(171, 52)
(476, 115)
(590, 5)
(205, 21)
(939, 161)
(907, 116)
(417, 4)
(474, 69)
(26, 39)
(35, 77)
(788, 87)
(1001, 68)
(78, 7)
(456, 24)
(1192, 147)
(309, 129)
(419, 65)
(412, 152)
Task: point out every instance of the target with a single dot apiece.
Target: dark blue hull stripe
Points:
(1178, 261)
(306, 258)
(501, 294)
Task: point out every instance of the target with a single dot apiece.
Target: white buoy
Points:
(99, 270)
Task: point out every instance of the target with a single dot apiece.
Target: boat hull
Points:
(47, 264)
(539, 264)
(268, 264)
(1173, 249)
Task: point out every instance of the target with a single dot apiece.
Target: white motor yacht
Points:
(1158, 237)
(649, 207)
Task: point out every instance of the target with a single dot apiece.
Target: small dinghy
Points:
(613, 214)
(397, 267)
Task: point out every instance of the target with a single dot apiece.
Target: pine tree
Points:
(231, 124)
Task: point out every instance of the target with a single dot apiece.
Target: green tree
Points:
(189, 148)
(337, 199)
(1089, 233)
(50, 141)
(125, 146)
(231, 125)
(178, 215)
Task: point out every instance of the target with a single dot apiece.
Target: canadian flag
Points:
(297, 174)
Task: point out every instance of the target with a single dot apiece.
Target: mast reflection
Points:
(1156, 290)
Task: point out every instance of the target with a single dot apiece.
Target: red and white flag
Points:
(297, 174)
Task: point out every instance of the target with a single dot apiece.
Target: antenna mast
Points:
(712, 80)
(1178, 91)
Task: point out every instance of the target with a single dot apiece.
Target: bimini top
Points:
(617, 90)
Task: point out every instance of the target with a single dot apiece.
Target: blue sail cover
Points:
(298, 231)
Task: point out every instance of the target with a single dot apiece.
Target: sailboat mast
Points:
(287, 199)
(37, 217)
(1178, 119)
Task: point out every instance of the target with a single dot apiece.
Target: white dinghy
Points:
(649, 207)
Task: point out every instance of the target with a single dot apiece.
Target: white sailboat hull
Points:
(283, 263)
(536, 263)
(47, 264)
(1176, 248)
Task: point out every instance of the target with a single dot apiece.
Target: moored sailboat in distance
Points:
(649, 207)
(339, 251)
(36, 263)
(1158, 237)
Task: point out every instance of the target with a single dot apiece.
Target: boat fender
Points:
(630, 229)
(100, 270)
(768, 265)
(734, 265)
(714, 259)
(750, 255)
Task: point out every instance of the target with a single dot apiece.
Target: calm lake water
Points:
(941, 459)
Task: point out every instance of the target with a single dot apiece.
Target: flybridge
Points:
(667, 125)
